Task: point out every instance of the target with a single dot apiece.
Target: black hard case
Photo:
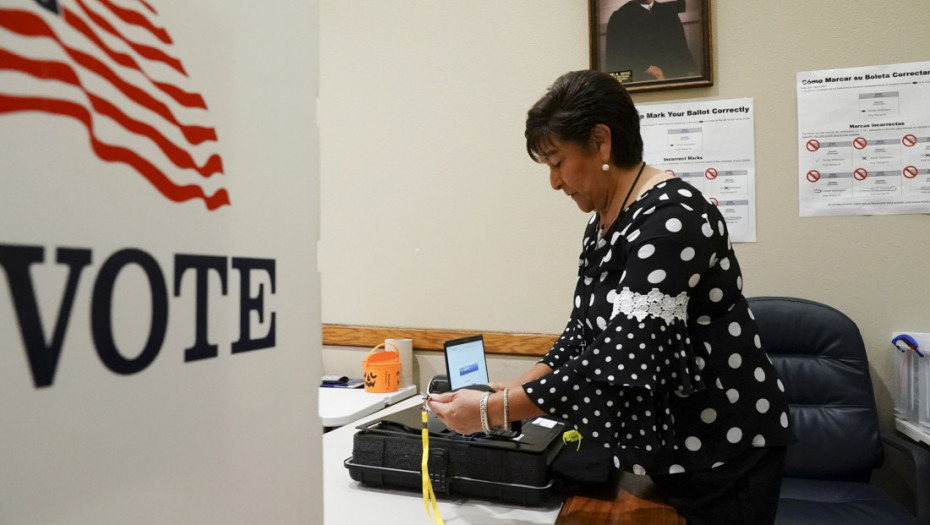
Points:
(388, 453)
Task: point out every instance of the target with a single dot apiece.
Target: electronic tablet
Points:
(465, 362)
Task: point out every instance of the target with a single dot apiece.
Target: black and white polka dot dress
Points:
(661, 361)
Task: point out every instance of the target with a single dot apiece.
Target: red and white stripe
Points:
(110, 66)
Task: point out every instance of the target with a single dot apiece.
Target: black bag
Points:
(388, 453)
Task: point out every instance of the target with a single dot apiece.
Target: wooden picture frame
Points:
(667, 46)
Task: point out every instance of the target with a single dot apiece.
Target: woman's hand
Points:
(458, 410)
(499, 386)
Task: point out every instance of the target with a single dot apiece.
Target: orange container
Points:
(382, 370)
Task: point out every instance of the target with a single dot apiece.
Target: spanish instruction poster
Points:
(864, 140)
(710, 145)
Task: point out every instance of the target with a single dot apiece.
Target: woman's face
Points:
(578, 173)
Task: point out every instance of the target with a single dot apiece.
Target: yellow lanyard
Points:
(428, 495)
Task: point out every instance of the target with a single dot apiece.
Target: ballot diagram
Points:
(864, 140)
(710, 145)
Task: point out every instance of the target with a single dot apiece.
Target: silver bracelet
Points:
(483, 411)
(506, 410)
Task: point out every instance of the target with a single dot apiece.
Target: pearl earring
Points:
(605, 167)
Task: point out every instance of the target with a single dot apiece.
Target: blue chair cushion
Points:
(821, 359)
(823, 502)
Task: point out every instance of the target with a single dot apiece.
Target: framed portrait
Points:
(652, 44)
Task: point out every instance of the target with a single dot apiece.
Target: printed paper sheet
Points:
(864, 140)
(711, 145)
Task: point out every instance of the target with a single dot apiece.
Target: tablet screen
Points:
(465, 362)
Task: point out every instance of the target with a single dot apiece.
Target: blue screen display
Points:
(466, 364)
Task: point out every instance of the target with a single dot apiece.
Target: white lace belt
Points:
(654, 303)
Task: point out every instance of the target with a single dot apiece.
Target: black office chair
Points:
(821, 358)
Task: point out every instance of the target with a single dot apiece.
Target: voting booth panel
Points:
(159, 299)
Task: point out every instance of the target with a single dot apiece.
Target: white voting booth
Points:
(159, 298)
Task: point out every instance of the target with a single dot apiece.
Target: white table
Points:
(341, 406)
(348, 501)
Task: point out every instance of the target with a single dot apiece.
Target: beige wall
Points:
(434, 216)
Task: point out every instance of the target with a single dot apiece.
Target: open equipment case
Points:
(388, 453)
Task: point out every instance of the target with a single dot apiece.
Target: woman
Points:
(661, 362)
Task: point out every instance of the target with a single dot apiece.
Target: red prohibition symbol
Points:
(714, 201)
(813, 175)
(910, 172)
(860, 174)
(813, 145)
(670, 172)
(711, 173)
(909, 140)
(860, 142)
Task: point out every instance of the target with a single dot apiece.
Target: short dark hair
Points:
(574, 104)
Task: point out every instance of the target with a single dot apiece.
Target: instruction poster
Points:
(864, 140)
(710, 145)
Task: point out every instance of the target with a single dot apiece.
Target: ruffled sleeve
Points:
(572, 341)
(568, 345)
(637, 351)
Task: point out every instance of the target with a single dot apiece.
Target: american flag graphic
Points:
(109, 65)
